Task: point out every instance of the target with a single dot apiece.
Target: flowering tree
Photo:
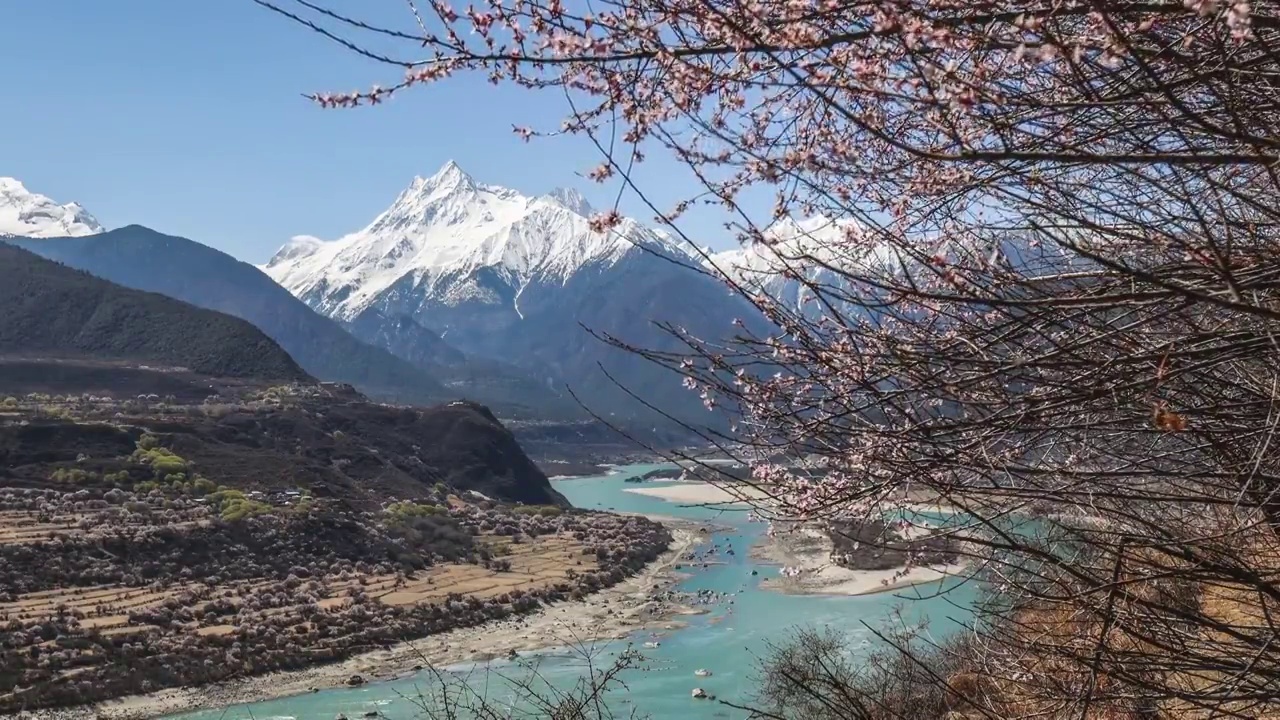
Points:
(1049, 289)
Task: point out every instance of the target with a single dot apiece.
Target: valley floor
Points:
(637, 603)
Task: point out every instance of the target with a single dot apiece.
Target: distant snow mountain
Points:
(512, 277)
(795, 255)
(798, 259)
(29, 214)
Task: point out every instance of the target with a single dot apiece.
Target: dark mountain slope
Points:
(141, 258)
(623, 299)
(363, 453)
(517, 391)
(477, 452)
(54, 310)
(360, 453)
(405, 339)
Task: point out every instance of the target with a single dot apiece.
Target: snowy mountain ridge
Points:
(788, 242)
(810, 248)
(444, 236)
(30, 214)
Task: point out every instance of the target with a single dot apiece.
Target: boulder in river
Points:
(355, 680)
(702, 672)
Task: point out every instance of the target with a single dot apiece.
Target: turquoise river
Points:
(729, 639)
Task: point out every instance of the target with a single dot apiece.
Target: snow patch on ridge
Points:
(808, 248)
(31, 214)
(571, 199)
(790, 244)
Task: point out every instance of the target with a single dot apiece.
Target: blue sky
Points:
(188, 118)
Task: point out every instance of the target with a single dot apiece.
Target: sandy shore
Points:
(700, 493)
(808, 550)
(615, 612)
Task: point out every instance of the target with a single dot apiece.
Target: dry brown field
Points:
(535, 563)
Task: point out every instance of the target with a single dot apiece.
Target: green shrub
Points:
(239, 509)
(224, 495)
(151, 455)
(543, 510)
(73, 475)
(168, 466)
(165, 464)
(54, 411)
(406, 509)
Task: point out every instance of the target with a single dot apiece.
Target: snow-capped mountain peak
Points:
(449, 172)
(441, 196)
(449, 235)
(504, 276)
(794, 253)
(31, 214)
(572, 199)
(298, 246)
(449, 178)
(788, 244)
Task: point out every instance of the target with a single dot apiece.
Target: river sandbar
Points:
(807, 552)
(702, 493)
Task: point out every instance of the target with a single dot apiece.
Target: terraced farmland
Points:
(314, 598)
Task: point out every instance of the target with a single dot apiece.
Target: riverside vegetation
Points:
(157, 542)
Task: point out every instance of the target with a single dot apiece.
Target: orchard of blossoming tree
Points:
(1051, 288)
